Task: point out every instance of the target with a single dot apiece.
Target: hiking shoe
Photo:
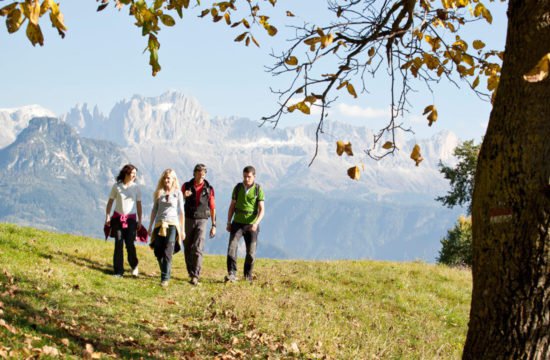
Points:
(118, 276)
(194, 281)
(230, 278)
(248, 278)
(164, 283)
(135, 272)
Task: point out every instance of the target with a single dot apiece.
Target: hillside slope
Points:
(58, 298)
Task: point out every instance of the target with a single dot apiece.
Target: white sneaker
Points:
(135, 272)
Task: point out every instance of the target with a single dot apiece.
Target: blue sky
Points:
(100, 62)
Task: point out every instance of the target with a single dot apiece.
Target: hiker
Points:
(167, 222)
(245, 213)
(123, 225)
(199, 206)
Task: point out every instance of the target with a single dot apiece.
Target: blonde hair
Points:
(160, 184)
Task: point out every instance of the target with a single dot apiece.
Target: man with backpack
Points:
(199, 206)
(245, 213)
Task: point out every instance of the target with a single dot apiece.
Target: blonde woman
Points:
(167, 222)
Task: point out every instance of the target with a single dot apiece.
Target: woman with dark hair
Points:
(124, 223)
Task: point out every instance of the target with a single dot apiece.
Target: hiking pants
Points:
(195, 234)
(250, 238)
(164, 249)
(124, 236)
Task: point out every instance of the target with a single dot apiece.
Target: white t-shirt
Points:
(125, 197)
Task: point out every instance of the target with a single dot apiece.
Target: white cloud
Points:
(358, 111)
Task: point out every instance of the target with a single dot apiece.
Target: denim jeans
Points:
(195, 233)
(164, 249)
(124, 236)
(239, 230)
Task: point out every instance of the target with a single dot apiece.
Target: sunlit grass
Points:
(57, 291)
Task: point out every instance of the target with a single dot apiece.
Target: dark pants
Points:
(195, 233)
(164, 249)
(124, 236)
(250, 238)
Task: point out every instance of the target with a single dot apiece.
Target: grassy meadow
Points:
(58, 299)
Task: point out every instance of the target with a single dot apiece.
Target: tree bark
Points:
(510, 312)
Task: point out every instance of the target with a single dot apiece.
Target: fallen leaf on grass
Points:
(50, 350)
(7, 326)
(65, 341)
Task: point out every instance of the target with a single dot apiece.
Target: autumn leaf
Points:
(292, 60)
(415, 154)
(271, 30)
(351, 90)
(476, 82)
(354, 172)
(343, 147)
(34, 34)
(478, 44)
(289, 14)
(241, 37)
(167, 20)
(14, 20)
(388, 145)
(540, 71)
(432, 116)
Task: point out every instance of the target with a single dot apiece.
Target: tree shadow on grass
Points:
(32, 310)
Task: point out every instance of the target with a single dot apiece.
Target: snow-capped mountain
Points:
(13, 121)
(312, 211)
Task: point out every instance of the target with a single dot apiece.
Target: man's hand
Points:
(187, 193)
(212, 232)
(254, 227)
(228, 227)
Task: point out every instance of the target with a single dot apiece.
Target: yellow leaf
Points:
(492, 82)
(254, 41)
(14, 20)
(540, 71)
(7, 9)
(354, 172)
(241, 37)
(343, 147)
(347, 149)
(271, 30)
(344, 83)
(371, 52)
(351, 90)
(468, 59)
(31, 11)
(339, 147)
(415, 154)
(428, 108)
(34, 33)
(167, 20)
(247, 41)
(432, 117)
(310, 99)
(479, 9)
(227, 18)
(326, 40)
(387, 145)
(292, 60)
(487, 15)
(478, 44)
(303, 108)
(475, 83)
(289, 14)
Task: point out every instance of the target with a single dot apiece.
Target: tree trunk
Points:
(510, 313)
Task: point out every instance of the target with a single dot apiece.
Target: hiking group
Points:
(179, 221)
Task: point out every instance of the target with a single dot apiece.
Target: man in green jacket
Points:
(245, 213)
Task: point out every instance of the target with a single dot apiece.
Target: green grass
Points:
(56, 291)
